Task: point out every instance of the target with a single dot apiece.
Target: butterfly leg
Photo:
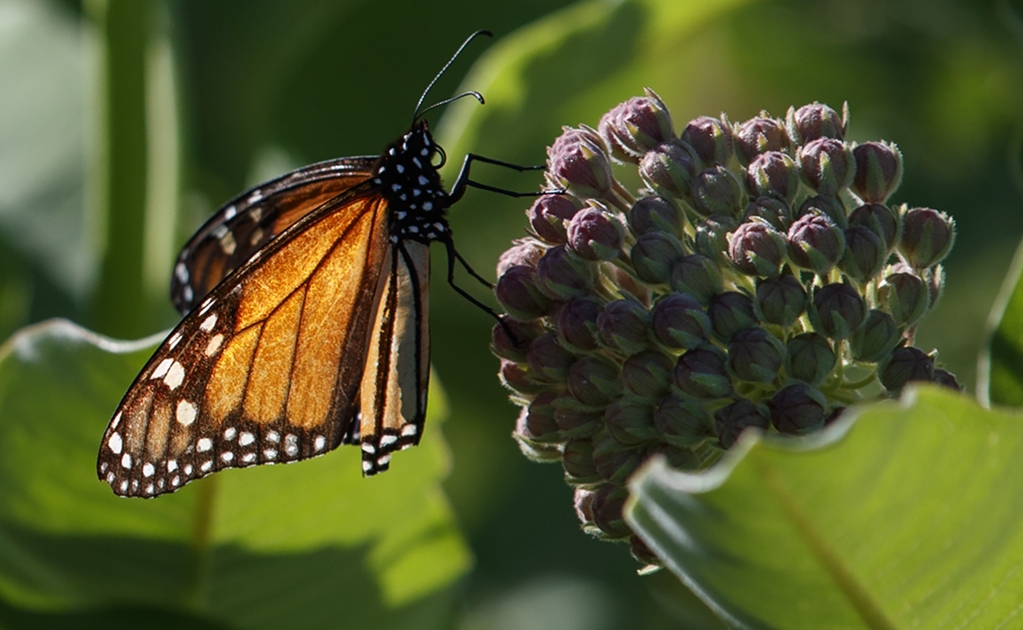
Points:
(462, 181)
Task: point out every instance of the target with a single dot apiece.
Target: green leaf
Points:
(269, 547)
(906, 516)
(1001, 365)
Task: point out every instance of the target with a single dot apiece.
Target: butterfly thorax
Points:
(408, 178)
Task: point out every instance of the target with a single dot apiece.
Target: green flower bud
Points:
(549, 215)
(731, 421)
(648, 374)
(756, 248)
(798, 409)
(876, 338)
(548, 360)
(712, 237)
(865, 254)
(697, 276)
(773, 174)
(759, 135)
(519, 294)
(517, 377)
(905, 296)
(927, 237)
(642, 554)
(947, 379)
(716, 191)
(837, 310)
(683, 423)
(577, 460)
(710, 138)
(814, 121)
(631, 422)
(653, 256)
(607, 506)
(878, 171)
(902, 366)
(578, 163)
(594, 381)
(577, 323)
(624, 326)
(701, 373)
(538, 453)
(810, 358)
(576, 420)
(563, 275)
(774, 211)
(781, 300)
(594, 234)
(670, 168)
(655, 214)
(827, 165)
(730, 313)
(678, 321)
(935, 284)
(636, 126)
(831, 207)
(880, 220)
(616, 461)
(815, 243)
(756, 356)
(511, 338)
(536, 422)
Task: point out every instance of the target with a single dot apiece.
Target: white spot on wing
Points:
(273, 436)
(175, 375)
(214, 345)
(248, 458)
(409, 429)
(270, 453)
(230, 212)
(229, 433)
(115, 443)
(387, 439)
(291, 444)
(172, 465)
(203, 445)
(227, 456)
(206, 465)
(185, 413)
(148, 470)
(228, 244)
(208, 323)
(246, 438)
(319, 443)
(161, 369)
(126, 461)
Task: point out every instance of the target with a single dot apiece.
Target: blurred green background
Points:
(95, 199)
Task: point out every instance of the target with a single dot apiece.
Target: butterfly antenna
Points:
(422, 98)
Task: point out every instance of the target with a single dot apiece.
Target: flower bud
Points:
(773, 174)
(624, 326)
(549, 215)
(615, 461)
(816, 243)
(678, 321)
(510, 339)
(902, 366)
(536, 422)
(905, 296)
(755, 355)
(878, 171)
(756, 248)
(947, 379)
(759, 135)
(837, 310)
(578, 462)
(880, 220)
(519, 294)
(594, 381)
(653, 256)
(578, 163)
(518, 378)
(697, 276)
(710, 138)
(607, 505)
(876, 338)
(642, 554)
(582, 500)
(810, 358)
(701, 373)
(548, 360)
(827, 165)
(774, 211)
(563, 275)
(814, 121)
(577, 323)
(730, 313)
(594, 234)
(798, 409)
(538, 453)
(655, 214)
(731, 421)
(683, 423)
(935, 284)
(631, 422)
(576, 420)
(716, 191)
(827, 205)
(670, 168)
(712, 237)
(865, 254)
(927, 237)
(525, 252)
(781, 300)
(636, 126)
(648, 374)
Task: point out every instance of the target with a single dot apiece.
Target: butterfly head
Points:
(409, 180)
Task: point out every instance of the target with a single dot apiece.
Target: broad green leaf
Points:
(1001, 366)
(269, 547)
(908, 516)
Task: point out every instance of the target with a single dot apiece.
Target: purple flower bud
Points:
(594, 381)
(816, 243)
(701, 373)
(594, 234)
(511, 340)
(878, 171)
(636, 126)
(614, 460)
(578, 462)
(563, 275)
(642, 554)
(538, 453)
(756, 248)
(683, 423)
(582, 500)
(549, 214)
(781, 300)
(816, 120)
(731, 421)
(655, 214)
(697, 276)
(832, 207)
(810, 358)
(730, 313)
(935, 283)
(653, 255)
(710, 138)
(624, 326)
(631, 422)
(827, 165)
(876, 338)
(670, 168)
(678, 321)
(548, 360)
(902, 366)
(716, 191)
(773, 174)
(578, 163)
(837, 310)
(760, 135)
(947, 379)
(577, 323)
(519, 294)
(576, 420)
(756, 356)
(536, 422)
(517, 377)
(865, 254)
(608, 503)
(798, 409)
(525, 252)
(712, 237)
(880, 220)
(905, 296)
(774, 211)
(648, 374)
(927, 237)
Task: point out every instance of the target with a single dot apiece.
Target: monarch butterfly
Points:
(306, 325)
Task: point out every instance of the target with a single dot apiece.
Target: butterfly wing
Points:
(268, 367)
(250, 220)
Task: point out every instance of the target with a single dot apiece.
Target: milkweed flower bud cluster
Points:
(760, 277)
